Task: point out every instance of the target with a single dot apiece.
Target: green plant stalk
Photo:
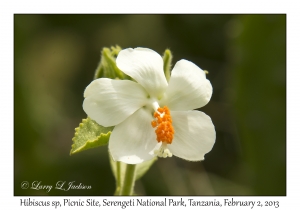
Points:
(118, 178)
(129, 179)
(119, 174)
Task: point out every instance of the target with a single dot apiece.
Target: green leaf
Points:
(107, 67)
(89, 135)
(119, 169)
(167, 58)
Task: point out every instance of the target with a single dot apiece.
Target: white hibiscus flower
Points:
(151, 116)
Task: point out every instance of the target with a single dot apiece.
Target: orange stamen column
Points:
(164, 130)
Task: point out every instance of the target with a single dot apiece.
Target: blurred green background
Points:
(55, 57)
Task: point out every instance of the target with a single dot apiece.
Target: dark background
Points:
(54, 60)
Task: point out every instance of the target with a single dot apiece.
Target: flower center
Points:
(163, 124)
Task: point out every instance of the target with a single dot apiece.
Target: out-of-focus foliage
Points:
(260, 72)
(55, 57)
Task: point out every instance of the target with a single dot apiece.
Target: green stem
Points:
(118, 178)
(118, 174)
(127, 188)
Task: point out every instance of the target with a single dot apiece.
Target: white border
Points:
(8, 8)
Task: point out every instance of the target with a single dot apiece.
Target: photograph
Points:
(149, 105)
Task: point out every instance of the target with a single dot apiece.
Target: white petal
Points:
(194, 135)
(188, 87)
(146, 67)
(110, 102)
(133, 140)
